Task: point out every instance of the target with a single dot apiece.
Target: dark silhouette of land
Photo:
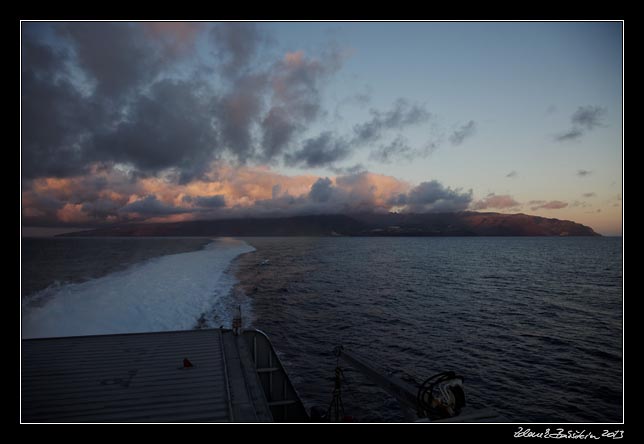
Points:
(466, 223)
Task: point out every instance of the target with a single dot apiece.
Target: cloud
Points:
(582, 204)
(589, 195)
(588, 117)
(151, 206)
(278, 128)
(137, 95)
(493, 201)
(117, 56)
(400, 150)
(109, 196)
(463, 132)
(54, 115)
(176, 36)
(86, 104)
(402, 115)
(131, 121)
(216, 201)
(552, 205)
(432, 196)
(266, 108)
(574, 133)
(237, 45)
(584, 119)
(583, 173)
(168, 127)
(320, 151)
(296, 82)
(512, 174)
(237, 112)
(102, 208)
(321, 190)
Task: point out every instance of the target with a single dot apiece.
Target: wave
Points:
(165, 293)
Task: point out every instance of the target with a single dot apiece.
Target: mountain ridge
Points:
(466, 223)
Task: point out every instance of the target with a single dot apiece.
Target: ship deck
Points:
(141, 377)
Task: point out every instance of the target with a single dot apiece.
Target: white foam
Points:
(165, 293)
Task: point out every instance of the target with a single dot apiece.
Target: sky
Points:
(170, 121)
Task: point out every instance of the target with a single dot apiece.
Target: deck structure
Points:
(209, 375)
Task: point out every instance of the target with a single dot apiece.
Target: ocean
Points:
(534, 325)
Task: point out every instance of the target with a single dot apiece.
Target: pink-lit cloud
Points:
(504, 201)
(552, 205)
(114, 196)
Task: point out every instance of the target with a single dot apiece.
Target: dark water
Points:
(533, 324)
(54, 261)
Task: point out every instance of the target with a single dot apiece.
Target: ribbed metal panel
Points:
(125, 378)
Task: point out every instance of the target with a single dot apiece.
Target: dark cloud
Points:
(583, 173)
(512, 174)
(151, 206)
(216, 201)
(463, 132)
(41, 209)
(237, 112)
(177, 38)
(403, 114)
(495, 201)
(552, 205)
(296, 83)
(278, 129)
(588, 117)
(319, 151)
(433, 197)
(321, 190)
(237, 45)
(168, 127)
(105, 105)
(398, 149)
(54, 114)
(589, 195)
(102, 208)
(113, 93)
(584, 119)
(574, 133)
(117, 56)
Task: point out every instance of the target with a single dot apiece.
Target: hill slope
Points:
(365, 224)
